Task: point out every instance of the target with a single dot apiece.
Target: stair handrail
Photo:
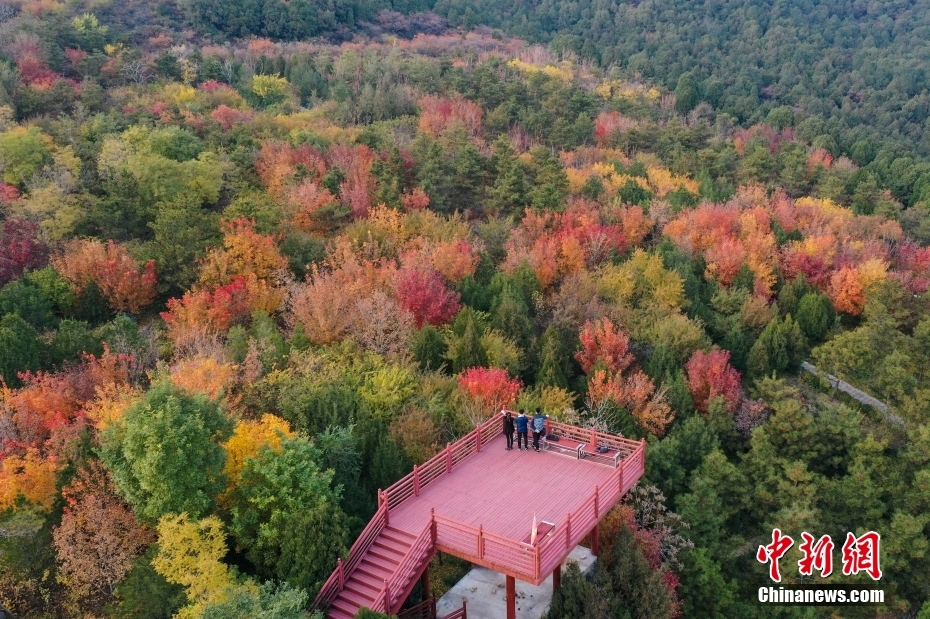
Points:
(420, 547)
(336, 581)
(423, 610)
(460, 613)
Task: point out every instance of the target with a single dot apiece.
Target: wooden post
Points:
(511, 598)
(594, 539)
(621, 477)
(342, 576)
(380, 498)
(568, 531)
(448, 457)
(432, 526)
(597, 513)
(536, 566)
(424, 583)
(387, 598)
(593, 439)
(416, 481)
(387, 510)
(480, 541)
(557, 578)
(464, 610)
(478, 437)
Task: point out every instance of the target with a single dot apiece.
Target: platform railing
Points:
(569, 532)
(443, 462)
(531, 562)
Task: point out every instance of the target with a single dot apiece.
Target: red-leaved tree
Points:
(20, 248)
(423, 293)
(8, 193)
(710, 375)
(602, 341)
(493, 388)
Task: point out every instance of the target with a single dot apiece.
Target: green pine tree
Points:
(466, 351)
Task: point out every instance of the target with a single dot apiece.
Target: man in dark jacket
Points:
(522, 425)
(508, 429)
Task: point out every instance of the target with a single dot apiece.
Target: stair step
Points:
(377, 571)
(335, 613)
(363, 582)
(355, 598)
(345, 606)
(387, 551)
(398, 535)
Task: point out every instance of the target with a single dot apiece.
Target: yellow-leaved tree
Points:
(190, 554)
(247, 439)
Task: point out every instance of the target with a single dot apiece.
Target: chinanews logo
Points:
(860, 554)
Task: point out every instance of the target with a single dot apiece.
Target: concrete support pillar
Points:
(511, 598)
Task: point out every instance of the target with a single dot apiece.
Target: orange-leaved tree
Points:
(605, 351)
(125, 285)
(29, 477)
(98, 539)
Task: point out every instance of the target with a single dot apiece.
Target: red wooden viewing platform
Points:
(477, 501)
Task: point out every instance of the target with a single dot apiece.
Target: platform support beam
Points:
(595, 546)
(511, 598)
(424, 583)
(556, 578)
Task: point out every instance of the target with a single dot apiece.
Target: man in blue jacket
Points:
(539, 426)
(522, 424)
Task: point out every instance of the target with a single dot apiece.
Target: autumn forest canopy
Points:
(259, 259)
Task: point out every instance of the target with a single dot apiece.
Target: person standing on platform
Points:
(539, 426)
(522, 424)
(508, 429)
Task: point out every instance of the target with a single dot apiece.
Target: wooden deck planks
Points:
(502, 490)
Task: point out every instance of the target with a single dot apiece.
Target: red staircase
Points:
(366, 585)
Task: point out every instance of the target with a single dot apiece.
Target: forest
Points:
(248, 279)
